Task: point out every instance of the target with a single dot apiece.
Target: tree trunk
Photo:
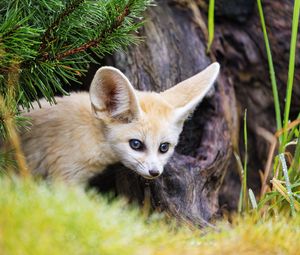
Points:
(174, 50)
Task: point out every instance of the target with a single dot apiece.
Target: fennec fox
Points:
(84, 133)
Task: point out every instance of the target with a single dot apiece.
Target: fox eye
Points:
(136, 144)
(164, 147)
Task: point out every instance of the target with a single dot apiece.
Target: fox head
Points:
(143, 127)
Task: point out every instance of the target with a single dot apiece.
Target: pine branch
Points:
(68, 10)
(107, 26)
(94, 42)
(10, 32)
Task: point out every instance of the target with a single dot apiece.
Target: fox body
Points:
(84, 133)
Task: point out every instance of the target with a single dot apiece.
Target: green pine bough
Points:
(47, 43)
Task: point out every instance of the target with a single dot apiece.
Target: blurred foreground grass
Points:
(38, 218)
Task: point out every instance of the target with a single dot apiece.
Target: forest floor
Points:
(39, 218)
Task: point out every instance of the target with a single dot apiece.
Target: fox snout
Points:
(154, 172)
(149, 172)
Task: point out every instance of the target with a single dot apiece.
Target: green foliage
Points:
(280, 195)
(287, 183)
(293, 47)
(284, 194)
(243, 203)
(271, 66)
(211, 23)
(48, 42)
(36, 218)
(43, 219)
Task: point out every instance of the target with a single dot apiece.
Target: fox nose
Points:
(154, 172)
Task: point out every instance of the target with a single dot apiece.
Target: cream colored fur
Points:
(82, 134)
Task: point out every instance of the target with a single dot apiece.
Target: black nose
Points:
(154, 172)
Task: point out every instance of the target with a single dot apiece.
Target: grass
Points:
(271, 66)
(211, 23)
(281, 191)
(287, 183)
(36, 218)
(43, 219)
(284, 186)
(291, 70)
(244, 181)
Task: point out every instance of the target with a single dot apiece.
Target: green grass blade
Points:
(293, 131)
(241, 173)
(287, 182)
(211, 21)
(245, 197)
(271, 67)
(296, 160)
(252, 199)
(291, 71)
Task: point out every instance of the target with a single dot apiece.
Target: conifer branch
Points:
(68, 10)
(97, 41)
(94, 42)
(10, 32)
(48, 55)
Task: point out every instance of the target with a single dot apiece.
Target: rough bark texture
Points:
(173, 50)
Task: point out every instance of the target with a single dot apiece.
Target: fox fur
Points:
(85, 132)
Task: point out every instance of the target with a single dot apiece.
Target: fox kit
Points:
(84, 133)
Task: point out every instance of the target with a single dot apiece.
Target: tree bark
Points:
(174, 50)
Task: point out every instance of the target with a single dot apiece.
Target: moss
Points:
(36, 218)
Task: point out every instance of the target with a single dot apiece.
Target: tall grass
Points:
(243, 201)
(244, 185)
(211, 22)
(271, 66)
(287, 183)
(291, 71)
(283, 195)
(282, 191)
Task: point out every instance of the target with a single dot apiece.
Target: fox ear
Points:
(186, 95)
(112, 96)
